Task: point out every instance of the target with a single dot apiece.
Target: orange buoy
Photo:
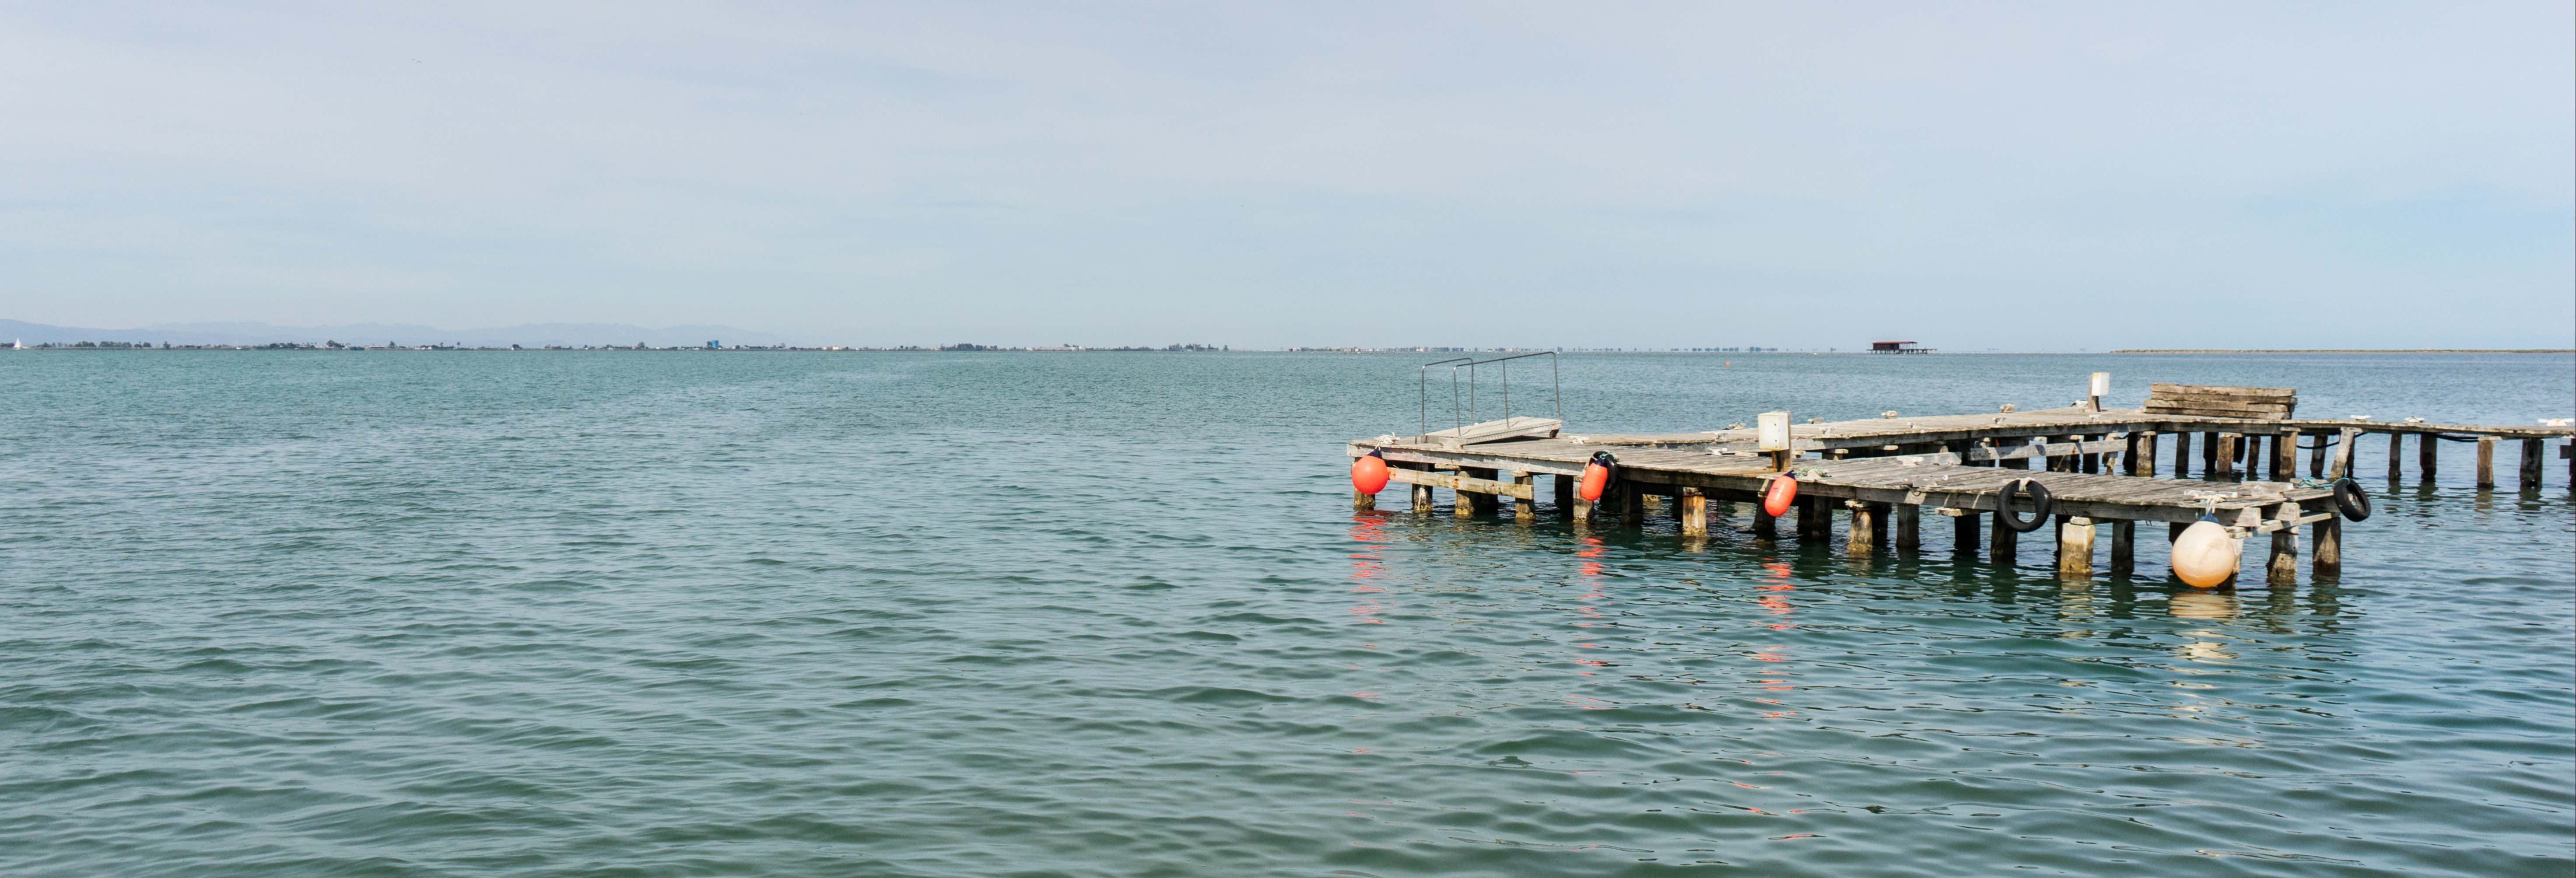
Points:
(1369, 474)
(1777, 496)
(1596, 476)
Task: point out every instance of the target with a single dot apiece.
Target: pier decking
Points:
(2098, 465)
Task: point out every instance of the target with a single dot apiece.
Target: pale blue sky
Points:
(2025, 176)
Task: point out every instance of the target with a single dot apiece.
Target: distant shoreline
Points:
(2345, 351)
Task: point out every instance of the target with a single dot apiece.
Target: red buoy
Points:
(1596, 477)
(1368, 473)
(1777, 496)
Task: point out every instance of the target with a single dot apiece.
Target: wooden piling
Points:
(1471, 503)
(1963, 533)
(2209, 454)
(1766, 529)
(2075, 549)
(1564, 495)
(1815, 519)
(1999, 546)
(1362, 500)
(2142, 453)
(2396, 454)
(2486, 461)
(2283, 568)
(1694, 508)
(2182, 454)
(2317, 458)
(2345, 440)
(2427, 455)
(2124, 548)
(2285, 455)
(1909, 527)
(2531, 451)
(2328, 553)
(1525, 511)
(2223, 449)
(1632, 505)
(2092, 462)
(1863, 539)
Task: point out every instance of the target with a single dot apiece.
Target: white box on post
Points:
(1773, 439)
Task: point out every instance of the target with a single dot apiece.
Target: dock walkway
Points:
(2099, 466)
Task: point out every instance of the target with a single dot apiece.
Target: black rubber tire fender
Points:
(2040, 505)
(2350, 500)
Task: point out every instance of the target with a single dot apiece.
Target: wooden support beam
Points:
(2486, 461)
(2283, 568)
(2209, 454)
(1999, 546)
(2531, 451)
(1464, 481)
(2142, 453)
(2427, 456)
(1524, 501)
(2317, 458)
(1362, 500)
(2225, 448)
(1963, 533)
(2328, 535)
(1632, 504)
(1564, 495)
(1766, 529)
(2011, 463)
(1864, 535)
(2124, 548)
(1815, 519)
(1909, 527)
(2345, 439)
(2396, 454)
(1694, 512)
(2075, 549)
(2182, 454)
(2285, 455)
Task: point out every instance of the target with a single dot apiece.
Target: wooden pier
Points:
(1884, 474)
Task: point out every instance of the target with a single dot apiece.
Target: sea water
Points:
(749, 613)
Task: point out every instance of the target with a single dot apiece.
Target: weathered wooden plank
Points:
(2159, 389)
(2486, 461)
(1466, 483)
(1493, 431)
(1694, 512)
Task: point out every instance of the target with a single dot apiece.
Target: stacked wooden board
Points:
(2259, 403)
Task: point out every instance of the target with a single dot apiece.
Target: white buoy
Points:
(2205, 555)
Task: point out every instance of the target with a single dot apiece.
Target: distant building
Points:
(1896, 347)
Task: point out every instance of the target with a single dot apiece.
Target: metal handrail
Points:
(1456, 415)
(1421, 388)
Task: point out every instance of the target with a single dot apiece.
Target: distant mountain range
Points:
(530, 335)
